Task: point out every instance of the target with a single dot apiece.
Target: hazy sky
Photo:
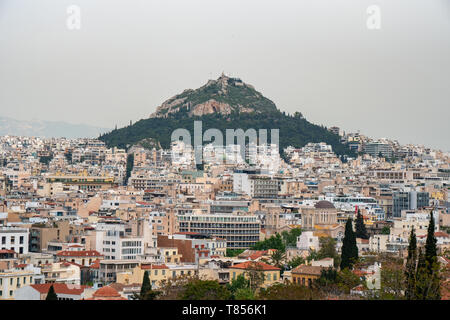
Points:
(313, 56)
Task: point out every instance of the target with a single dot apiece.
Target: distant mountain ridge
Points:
(225, 103)
(48, 129)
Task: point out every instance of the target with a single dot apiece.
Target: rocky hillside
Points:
(223, 96)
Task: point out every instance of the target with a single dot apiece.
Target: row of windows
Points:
(220, 225)
(17, 280)
(12, 240)
(10, 293)
(131, 251)
(131, 244)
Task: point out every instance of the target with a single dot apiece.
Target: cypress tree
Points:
(51, 295)
(361, 231)
(427, 275)
(421, 277)
(430, 245)
(431, 263)
(349, 253)
(146, 286)
(410, 272)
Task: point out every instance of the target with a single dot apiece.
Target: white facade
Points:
(112, 242)
(13, 238)
(307, 241)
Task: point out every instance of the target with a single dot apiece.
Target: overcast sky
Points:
(313, 56)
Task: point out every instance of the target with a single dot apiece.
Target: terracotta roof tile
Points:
(60, 288)
(255, 264)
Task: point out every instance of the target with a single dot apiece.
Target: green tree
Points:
(386, 230)
(234, 252)
(392, 281)
(244, 294)
(347, 280)
(130, 165)
(255, 275)
(290, 237)
(422, 277)
(361, 231)
(295, 262)
(274, 242)
(427, 275)
(410, 272)
(290, 291)
(146, 286)
(277, 258)
(430, 244)
(328, 250)
(238, 284)
(51, 295)
(349, 254)
(313, 255)
(204, 290)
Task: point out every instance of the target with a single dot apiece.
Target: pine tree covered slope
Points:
(225, 103)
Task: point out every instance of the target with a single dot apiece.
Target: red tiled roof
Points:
(441, 234)
(7, 251)
(95, 264)
(153, 266)
(255, 264)
(82, 253)
(304, 269)
(60, 288)
(106, 293)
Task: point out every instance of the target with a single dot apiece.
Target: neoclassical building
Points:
(323, 214)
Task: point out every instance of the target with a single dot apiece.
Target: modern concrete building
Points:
(409, 201)
(240, 230)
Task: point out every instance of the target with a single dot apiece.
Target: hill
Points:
(225, 103)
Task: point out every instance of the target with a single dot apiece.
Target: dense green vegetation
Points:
(234, 252)
(274, 242)
(294, 130)
(279, 241)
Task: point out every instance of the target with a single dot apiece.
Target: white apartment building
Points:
(14, 238)
(114, 244)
